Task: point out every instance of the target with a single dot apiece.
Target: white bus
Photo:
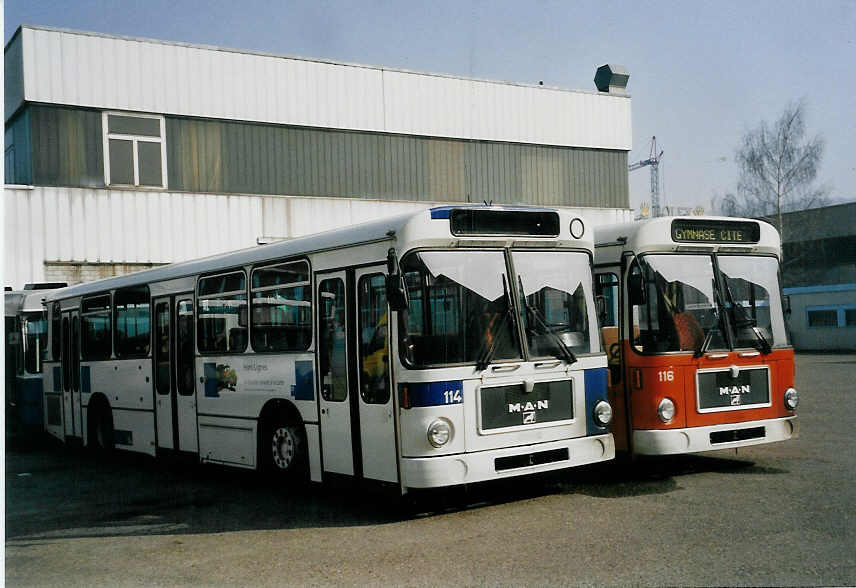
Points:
(449, 346)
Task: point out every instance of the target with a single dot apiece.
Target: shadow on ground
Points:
(53, 491)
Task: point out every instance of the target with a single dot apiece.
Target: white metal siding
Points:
(117, 73)
(96, 226)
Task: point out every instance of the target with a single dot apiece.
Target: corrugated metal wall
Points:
(18, 162)
(98, 71)
(67, 146)
(76, 227)
(231, 157)
(250, 158)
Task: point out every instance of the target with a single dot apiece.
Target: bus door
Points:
(374, 383)
(70, 357)
(175, 390)
(334, 399)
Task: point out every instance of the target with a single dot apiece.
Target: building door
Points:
(374, 382)
(335, 406)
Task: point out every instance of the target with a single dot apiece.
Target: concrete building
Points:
(819, 277)
(124, 153)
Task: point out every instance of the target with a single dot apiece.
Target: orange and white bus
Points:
(694, 326)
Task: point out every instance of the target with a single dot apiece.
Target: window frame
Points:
(134, 139)
(115, 314)
(306, 284)
(840, 315)
(197, 299)
(85, 354)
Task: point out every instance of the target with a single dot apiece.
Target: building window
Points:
(134, 150)
(831, 316)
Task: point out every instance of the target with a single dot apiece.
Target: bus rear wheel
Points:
(100, 429)
(282, 449)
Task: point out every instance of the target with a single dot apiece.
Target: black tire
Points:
(100, 430)
(282, 449)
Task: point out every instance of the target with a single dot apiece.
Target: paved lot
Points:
(781, 514)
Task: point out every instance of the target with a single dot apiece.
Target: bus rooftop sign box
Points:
(685, 230)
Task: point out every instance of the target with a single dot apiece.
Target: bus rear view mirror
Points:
(636, 289)
(396, 290)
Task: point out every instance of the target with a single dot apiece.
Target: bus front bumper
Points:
(711, 438)
(495, 464)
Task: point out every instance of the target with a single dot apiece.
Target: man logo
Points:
(528, 406)
(528, 418)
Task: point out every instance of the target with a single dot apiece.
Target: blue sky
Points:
(701, 73)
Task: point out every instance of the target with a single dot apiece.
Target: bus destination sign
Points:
(715, 231)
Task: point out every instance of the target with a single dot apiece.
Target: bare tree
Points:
(778, 168)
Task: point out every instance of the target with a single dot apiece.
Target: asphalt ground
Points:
(779, 514)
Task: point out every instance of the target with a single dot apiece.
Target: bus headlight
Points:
(602, 413)
(439, 432)
(666, 410)
(792, 398)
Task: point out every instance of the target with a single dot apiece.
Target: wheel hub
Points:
(283, 448)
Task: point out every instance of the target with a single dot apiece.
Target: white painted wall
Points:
(122, 227)
(98, 71)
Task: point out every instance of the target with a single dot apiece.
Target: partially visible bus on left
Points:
(26, 344)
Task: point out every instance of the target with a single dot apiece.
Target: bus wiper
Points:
(746, 321)
(708, 336)
(566, 351)
(487, 356)
(702, 349)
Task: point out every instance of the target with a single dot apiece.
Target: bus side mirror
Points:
(396, 289)
(636, 290)
(787, 301)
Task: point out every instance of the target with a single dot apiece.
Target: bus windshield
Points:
(686, 308)
(460, 309)
(555, 316)
(35, 331)
(752, 296)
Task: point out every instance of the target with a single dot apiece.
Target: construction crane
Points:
(654, 161)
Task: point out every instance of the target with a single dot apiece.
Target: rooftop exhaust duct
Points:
(612, 78)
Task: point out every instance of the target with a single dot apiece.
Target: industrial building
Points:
(819, 277)
(124, 153)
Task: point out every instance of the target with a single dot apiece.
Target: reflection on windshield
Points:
(680, 310)
(458, 308)
(556, 286)
(685, 305)
(753, 282)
